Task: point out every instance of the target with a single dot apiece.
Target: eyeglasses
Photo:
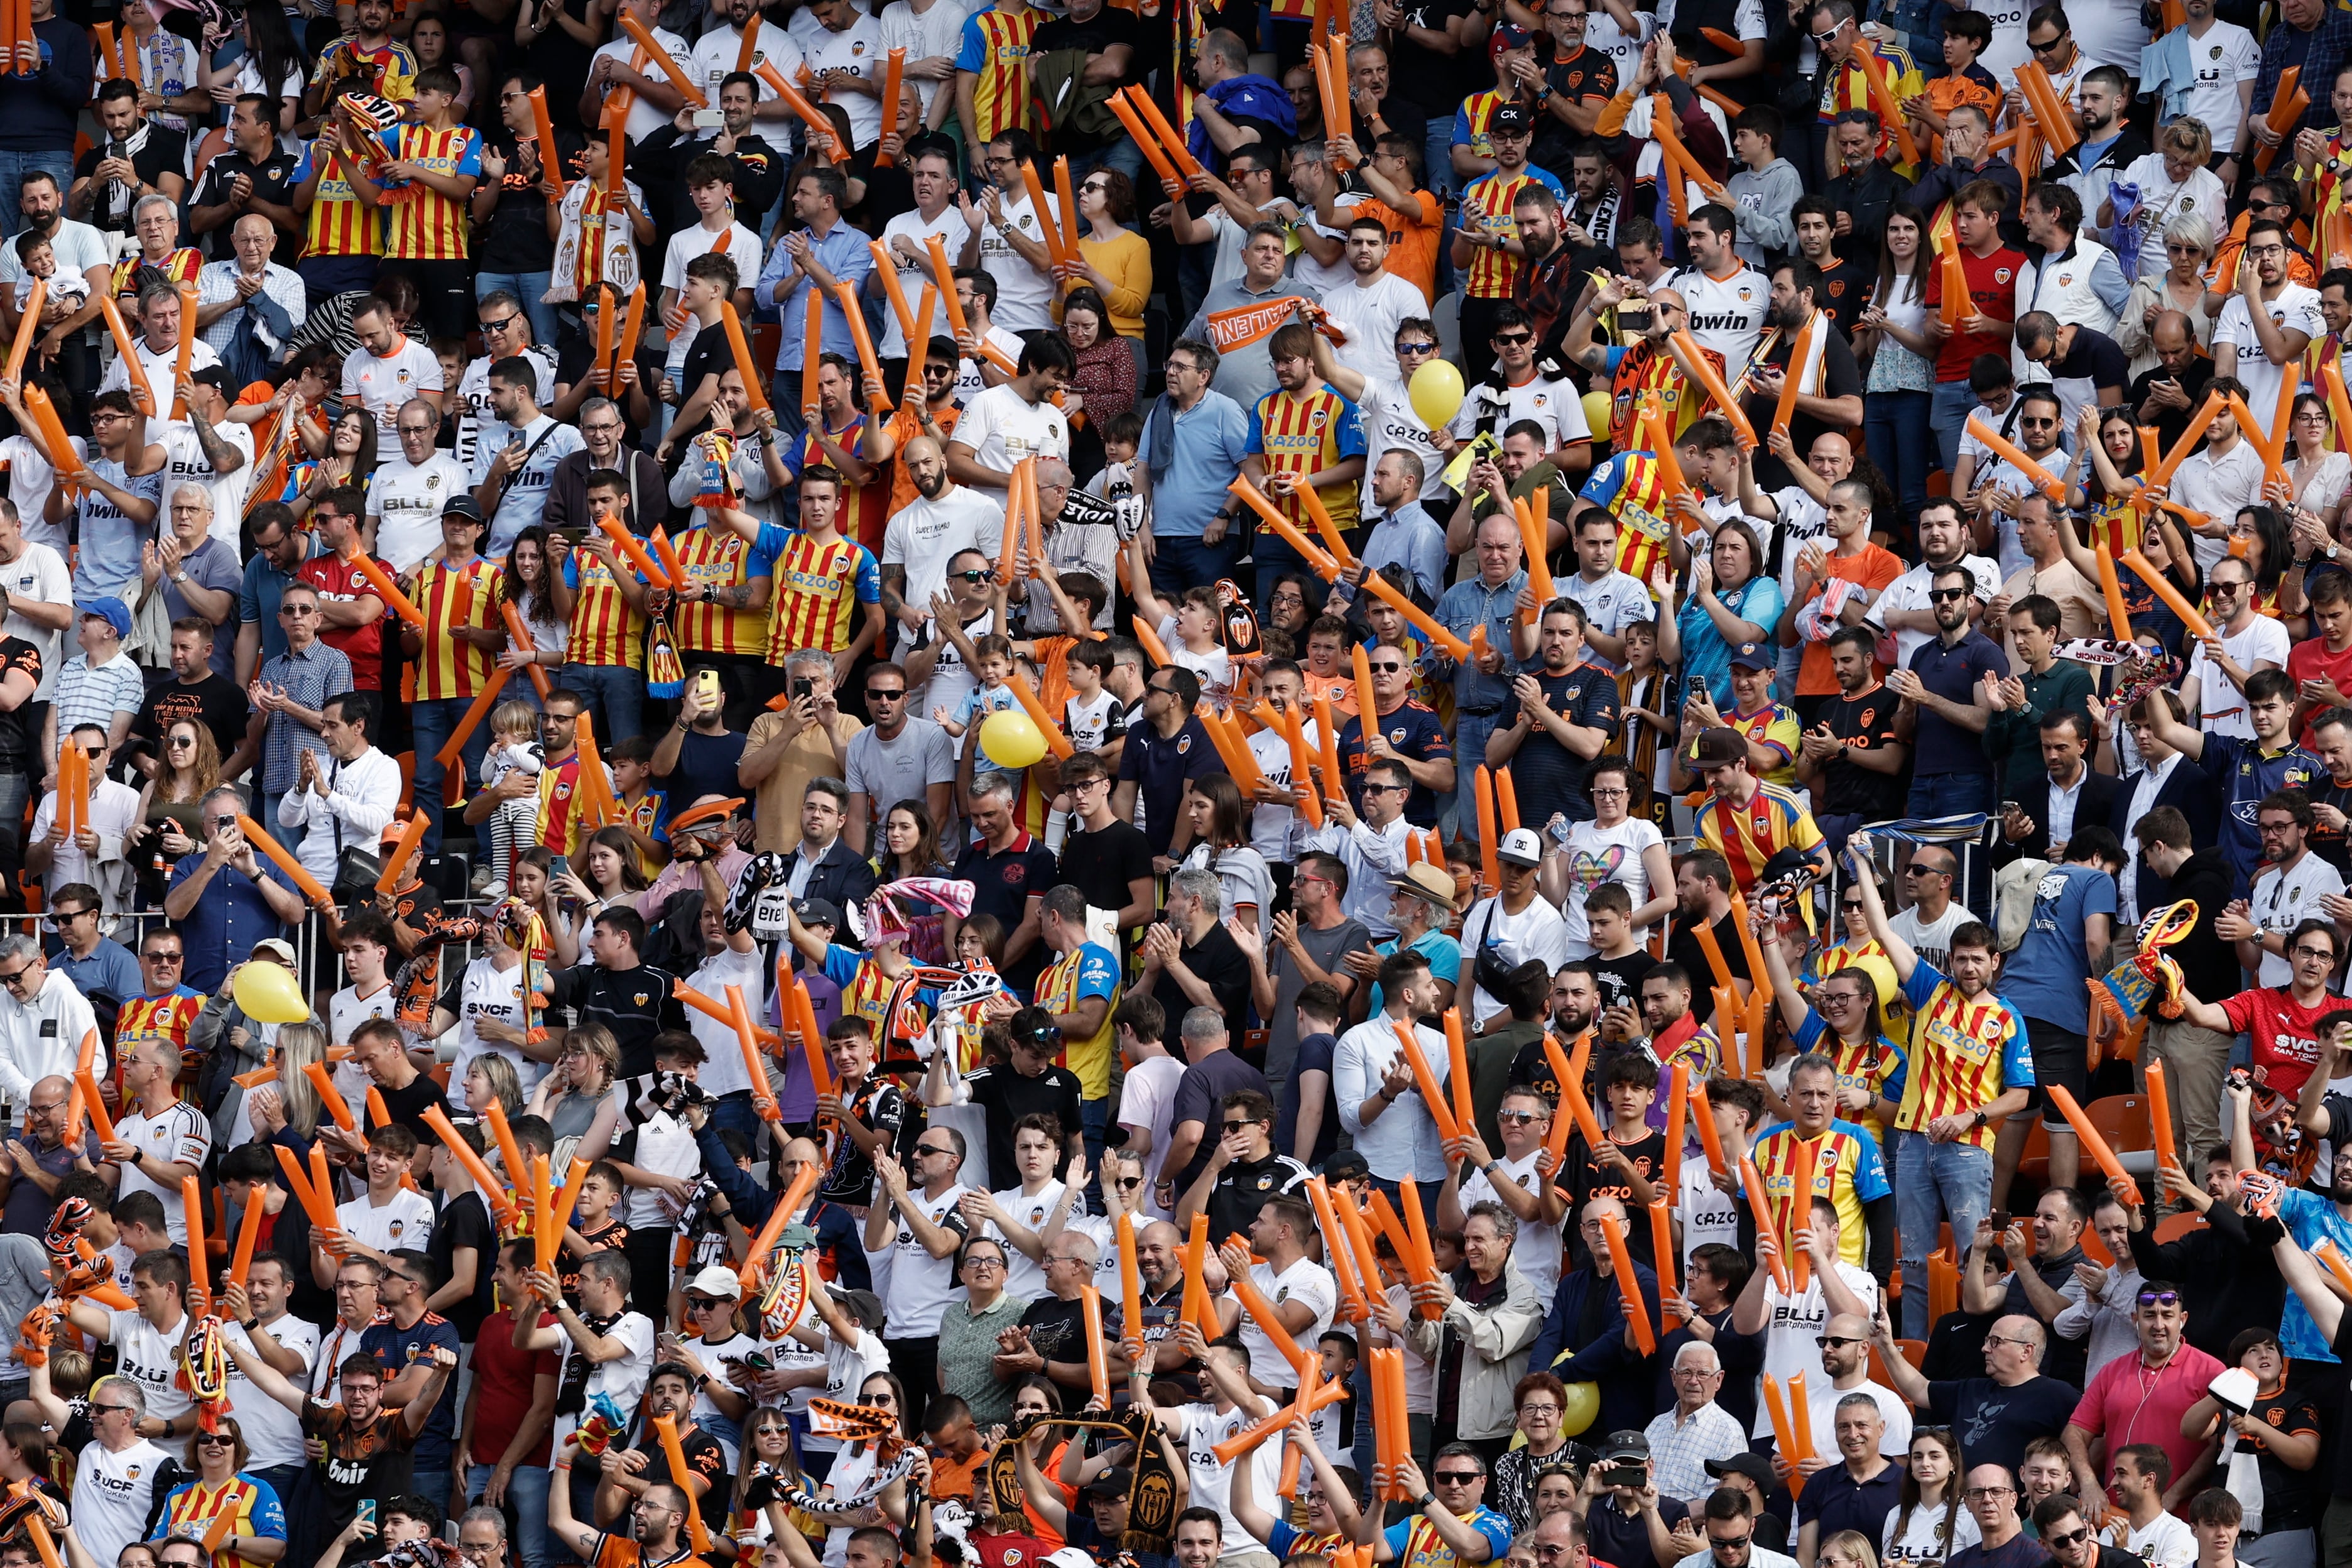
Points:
(1975, 1493)
(415, 429)
(1609, 793)
(1997, 1340)
(2325, 954)
(298, 609)
(14, 978)
(163, 958)
(1943, 595)
(983, 1261)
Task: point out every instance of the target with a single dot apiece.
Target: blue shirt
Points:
(1409, 537)
(1444, 955)
(108, 555)
(413, 1344)
(110, 971)
(1952, 672)
(842, 253)
(309, 678)
(1470, 604)
(229, 916)
(1706, 656)
(2247, 775)
(1413, 731)
(1206, 445)
(1159, 765)
(257, 600)
(2308, 1216)
(2044, 975)
(1485, 1521)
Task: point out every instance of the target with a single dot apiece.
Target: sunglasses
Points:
(874, 696)
(1836, 1342)
(2050, 47)
(2159, 1297)
(972, 576)
(1513, 340)
(1458, 1478)
(2068, 1538)
(1385, 668)
(1945, 595)
(1519, 1118)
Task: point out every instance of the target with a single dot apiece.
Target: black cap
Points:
(462, 504)
(1624, 1445)
(1115, 1482)
(818, 913)
(1752, 1466)
(1512, 117)
(1346, 1165)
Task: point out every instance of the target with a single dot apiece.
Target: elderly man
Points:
(1997, 1414)
(1489, 1315)
(1865, 1486)
(1696, 1430)
(1585, 1338)
(198, 570)
(1990, 1495)
(791, 748)
(2166, 392)
(289, 698)
(45, 1021)
(247, 305)
(224, 899)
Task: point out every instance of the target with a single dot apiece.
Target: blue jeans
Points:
(1096, 1116)
(14, 167)
(1470, 733)
(1180, 563)
(1896, 429)
(431, 1481)
(1953, 400)
(324, 277)
(1123, 154)
(529, 287)
(1934, 1182)
(615, 691)
(526, 1509)
(1950, 794)
(432, 724)
(734, 1110)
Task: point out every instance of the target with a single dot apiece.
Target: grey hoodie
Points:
(1762, 198)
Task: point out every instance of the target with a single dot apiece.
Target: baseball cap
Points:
(818, 913)
(716, 1281)
(1623, 1446)
(1718, 746)
(1754, 656)
(1346, 1166)
(1114, 1482)
(462, 504)
(1520, 846)
(1752, 1466)
(1511, 119)
(276, 947)
(109, 609)
(864, 1305)
(1509, 36)
(1435, 883)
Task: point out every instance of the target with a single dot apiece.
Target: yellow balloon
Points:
(1011, 739)
(1436, 392)
(1597, 410)
(268, 993)
(1583, 1405)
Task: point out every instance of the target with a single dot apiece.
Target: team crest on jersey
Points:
(1183, 744)
(1282, 1294)
(640, 999)
(1396, 736)
(432, 482)
(396, 1227)
(2217, 51)
(858, 49)
(2065, 280)
(2002, 275)
(1746, 293)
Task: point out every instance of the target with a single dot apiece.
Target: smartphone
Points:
(708, 119)
(706, 686)
(367, 1511)
(804, 686)
(1626, 1475)
(1999, 1221)
(561, 866)
(2007, 806)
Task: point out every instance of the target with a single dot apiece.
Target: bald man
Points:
(2167, 392)
(1605, 1357)
(836, 1227)
(33, 1168)
(944, 519)
(1996, 1415)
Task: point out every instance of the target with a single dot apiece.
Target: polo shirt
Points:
(1952, 672)
(1192, 455)
(1003, 882)
(2125, 1403)
(1835, 1500)
(1413, 730)
(1159, 765)
(257, 602)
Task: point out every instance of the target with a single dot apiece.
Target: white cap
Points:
(715, 1281)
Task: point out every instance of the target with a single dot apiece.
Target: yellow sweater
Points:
(1127, 262)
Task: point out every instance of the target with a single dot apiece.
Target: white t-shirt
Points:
(645, 117)
(1598, 855)
(149, 1357)
(1617, 601)
(1149, 1101)
(1029, 1211)
(2162, 198)
(1556, 405)
(1536, 931)
(716, 52)
(2223, 705)
(2164, 1542)
(952, 232)
(2296, 309)
(112, 1492)
(1931, 940)
(1313, 276)
(486, 991)
(665, 1147)
(1371, 316)
(693, 240)
(922, 1286)
(2225, 56)
(472, 407)
(1000, 429)
(723, 1071)
(1212, 1477)
(1921, 1544)
(405, 1222)
(1727, 314)
(858, 47)
(1304, 1280)
(623, 1378)
(1392, 425)
(181, 1136)
(1909, 591)
(382, 384)
(924, 35)
(161, 367)
(273, 1432)
(2281, 900)
(185, 463)
(346, 1011)
(1791, 1327)
(925, 536)
(407, 498)
(38, 576)
(1023, 294)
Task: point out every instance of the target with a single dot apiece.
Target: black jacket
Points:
(2192, 792)
(2225, 1268)
(2097, 804)
(664, 155)
(2208, 964)
(842, 877)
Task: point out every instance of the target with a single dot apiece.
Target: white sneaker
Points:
(493, 890)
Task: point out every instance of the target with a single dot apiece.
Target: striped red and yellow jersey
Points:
(1847, 1170)
(251, 1510)
(465, 597)
(390, 71)
(1749, 835)
(995, 49)
(166, 1017)
(1470, 122)
(338, 223)
(719, 557)
(560, 826)
(180, 266)
(1487, 207)
(1641, 372)
(421, 224)
(606, 627)
(596, 209)
(2115, 523)
(819, 588)
(1631, 488)
(1306, 434)
(1965, 1052)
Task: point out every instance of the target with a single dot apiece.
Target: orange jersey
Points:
(606, 627)
(819, 590)
(719, 557)
(448, 667)
(423, 225)
(1412, 239)
(1306, 435)
(339, 223)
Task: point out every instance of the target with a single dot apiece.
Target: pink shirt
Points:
(2127, 1403)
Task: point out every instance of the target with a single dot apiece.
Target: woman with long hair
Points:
(576, 1097)
(1220, 843)
(272, 65)
(1851, 1549)
(2102, 479)
(2179, 288)
(1115, 259)
(171, 804)
(855, 1466)
(526, 584)
(287, 1111)
(433, 46)
(1893, 331)
(2316, 478)
(2260, 537)
(1928, 1524)
(766, 1467)
(910, 847)
(490, 1078)
(608, 873)
(350, 460)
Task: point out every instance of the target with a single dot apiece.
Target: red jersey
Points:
(503, 1377)
(2285, 1032)
(2310, 660)
(1993, 286)
(339, 580)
